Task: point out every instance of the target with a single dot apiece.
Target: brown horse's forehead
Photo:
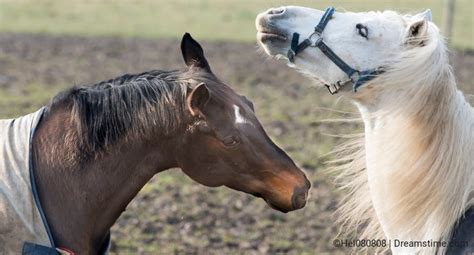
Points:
(239, 108)
(228, 100)
(234, 115)
(241, 116)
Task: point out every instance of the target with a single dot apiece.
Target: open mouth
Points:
(273, 41)
(264, 36)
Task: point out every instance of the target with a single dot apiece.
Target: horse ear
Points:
(417, 34)
(427, 15)
(192, 53)
(197, 99)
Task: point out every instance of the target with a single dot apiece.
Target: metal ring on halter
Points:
(355, 74)
(315, 33)
(315, 44)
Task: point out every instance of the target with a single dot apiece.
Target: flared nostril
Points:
(276, 11)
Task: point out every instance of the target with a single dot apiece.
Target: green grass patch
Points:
(207, 19)
(16, 102)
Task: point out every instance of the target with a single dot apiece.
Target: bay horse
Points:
(96, 146)
(410, 178)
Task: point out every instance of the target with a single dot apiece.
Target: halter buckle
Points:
(334, 87)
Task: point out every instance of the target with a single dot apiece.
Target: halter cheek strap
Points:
(297, 47)
(356, 77)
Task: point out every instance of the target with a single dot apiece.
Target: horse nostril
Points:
(276, 11)
(298, 200)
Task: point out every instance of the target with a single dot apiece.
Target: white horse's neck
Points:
(420, 163)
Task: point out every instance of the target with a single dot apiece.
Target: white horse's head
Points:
(364, 41)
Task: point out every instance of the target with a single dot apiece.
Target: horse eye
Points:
(204, 128)
(363, 31)
(231, 141)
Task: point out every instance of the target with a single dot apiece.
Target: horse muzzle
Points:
(273, 38)
(297, 199)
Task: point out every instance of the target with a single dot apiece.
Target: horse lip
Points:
(266, 35)
(269, 203)
(273, 206)
(277, 208)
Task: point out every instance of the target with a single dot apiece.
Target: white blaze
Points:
(239, 119)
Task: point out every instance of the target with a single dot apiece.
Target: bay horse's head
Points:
(342, 47)
(225, 144)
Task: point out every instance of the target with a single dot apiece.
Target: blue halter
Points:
(356, 77)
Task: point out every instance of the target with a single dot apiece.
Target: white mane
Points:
(412, 175)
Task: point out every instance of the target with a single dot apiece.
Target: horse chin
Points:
(274, 44)
(269, 202)
(275, 207)
(273, 51)
(272, 205)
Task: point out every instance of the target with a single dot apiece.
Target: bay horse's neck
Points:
(419, 163)
(83, 200)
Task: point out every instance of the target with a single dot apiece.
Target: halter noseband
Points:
(356, 77)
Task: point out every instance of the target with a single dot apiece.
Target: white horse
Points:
(411, 178)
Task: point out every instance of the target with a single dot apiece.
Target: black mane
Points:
(132, 105)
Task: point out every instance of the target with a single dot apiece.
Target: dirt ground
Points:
(172, 214)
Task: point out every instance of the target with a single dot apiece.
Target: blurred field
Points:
(172, 214)
(47, 46)
(208, 19)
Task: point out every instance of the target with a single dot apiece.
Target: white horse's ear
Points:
(426, 15)
(417, 33)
